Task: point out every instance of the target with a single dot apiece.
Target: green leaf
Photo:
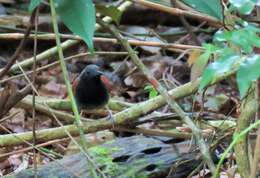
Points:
(210, 47)
(222, 36)
(199, 65)
(246, 38)
(152, 91)
(247, 73)
(210, 7)
(79, 17)
(217, 68)
(110, 11)
(244, 6)
(241, 39)
(33, 4)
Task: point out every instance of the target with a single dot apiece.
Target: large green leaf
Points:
(33, 4)
(247, 73)
(244, 6)
(217, 68)
(210, 7)
(79, 17)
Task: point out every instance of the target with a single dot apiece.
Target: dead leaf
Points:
(16, 123)
(194, 55)
(53, 89)
(24, 165)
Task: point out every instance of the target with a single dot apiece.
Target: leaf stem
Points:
(78, 123)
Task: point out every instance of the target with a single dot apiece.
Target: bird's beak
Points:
(100, 72)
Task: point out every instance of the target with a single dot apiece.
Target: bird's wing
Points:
(75, 83)
(106, 82)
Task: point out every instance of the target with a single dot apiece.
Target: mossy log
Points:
(135, 156)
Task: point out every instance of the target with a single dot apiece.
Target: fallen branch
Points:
(124, 117)
(51, 36)
(52, 104)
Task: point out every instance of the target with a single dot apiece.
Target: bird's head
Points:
(91, 72)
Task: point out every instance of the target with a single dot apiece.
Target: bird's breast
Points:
(91, 95)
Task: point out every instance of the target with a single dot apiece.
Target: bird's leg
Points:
(110, 116)
(81, 113)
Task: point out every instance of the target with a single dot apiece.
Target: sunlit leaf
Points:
(247, 73)
(152, 91)
(244, 6)
(246, 38)
(217, 68)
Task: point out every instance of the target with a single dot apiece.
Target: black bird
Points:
(90, 88)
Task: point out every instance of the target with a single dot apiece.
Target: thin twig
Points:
(19, 49)
(51, 36)
(42, 152)
(36, 20)
(155, 132)
(33, 147)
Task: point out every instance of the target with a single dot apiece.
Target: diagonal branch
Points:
(185, 118)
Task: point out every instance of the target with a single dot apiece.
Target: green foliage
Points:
(33, 4)
(222, 65)
(103, 156)
(210, 7)
(234, 51)
(203, 59)
(151, 90)
(79, 17)
(243, 6)
(245, 38)
(247, 73)
(110, 11)
(132, 172)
